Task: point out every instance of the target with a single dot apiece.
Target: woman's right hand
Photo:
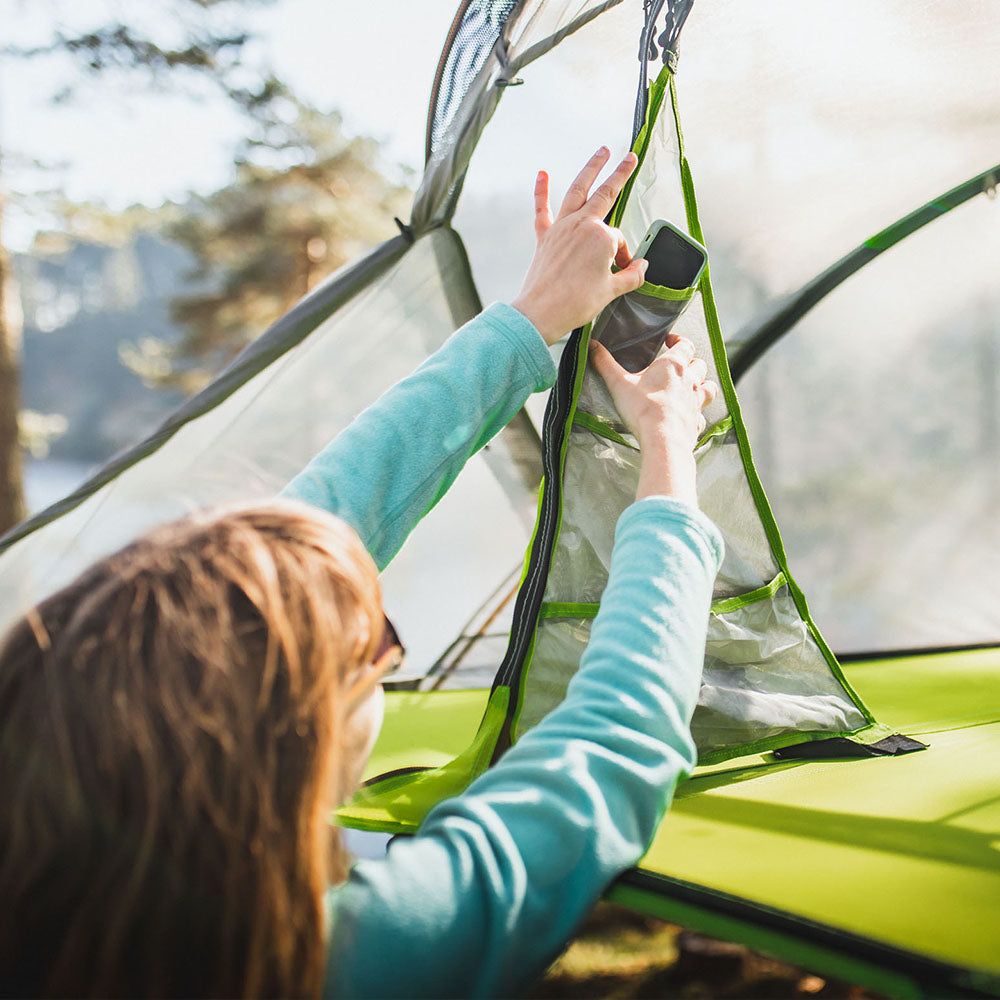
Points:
(570, 279)
(662, 406)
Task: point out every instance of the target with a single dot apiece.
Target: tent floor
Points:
(884, 869)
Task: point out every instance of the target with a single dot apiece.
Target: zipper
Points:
(529, 598)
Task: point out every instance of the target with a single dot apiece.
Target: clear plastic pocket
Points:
(559, 646)
(600, 482)
(764, 677)
(635, 326)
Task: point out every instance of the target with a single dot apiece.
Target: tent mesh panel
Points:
(473, 35)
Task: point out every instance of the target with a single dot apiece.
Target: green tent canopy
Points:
(868, 369)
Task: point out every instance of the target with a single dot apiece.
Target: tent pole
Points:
(761, 333)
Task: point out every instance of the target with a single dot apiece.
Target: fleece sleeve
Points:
(486, 894)
(398, 458)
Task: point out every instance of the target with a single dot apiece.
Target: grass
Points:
(620, 955)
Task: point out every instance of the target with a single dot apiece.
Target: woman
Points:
(177, 723)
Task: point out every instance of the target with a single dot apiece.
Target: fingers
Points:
(629, 279)
(543, 213)
(622, 256)
(655, 398)
(607, 367)
(697, 372)
(603, 199)
(681, 350)
(576, 195)
(711, 392)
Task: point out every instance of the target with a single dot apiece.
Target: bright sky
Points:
(123, 148)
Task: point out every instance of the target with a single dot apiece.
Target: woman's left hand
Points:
(570, 278)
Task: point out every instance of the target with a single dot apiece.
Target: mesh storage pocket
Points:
(634, 326)
(765, 677)
(559, 645)
(600, 482)
(767, 682)
(725, 498)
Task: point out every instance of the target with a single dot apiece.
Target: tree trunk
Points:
(12, 507)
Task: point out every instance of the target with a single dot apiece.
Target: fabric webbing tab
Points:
(604, 428)
(841, 746)
(728, 604)
(568, 609)
(716, 430)
(601, 427)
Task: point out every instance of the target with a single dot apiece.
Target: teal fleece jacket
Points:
(481, 900)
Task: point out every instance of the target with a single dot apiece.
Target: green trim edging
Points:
(641, 145)
(529, 655)
(729, 393)
(526, 565)
(601, 427)
(371, 807)
(373, 825)
(605, 429)
(665, 292)
(727, 604)
(717, 429)
(568, 609)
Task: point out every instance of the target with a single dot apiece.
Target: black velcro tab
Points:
(841, 746)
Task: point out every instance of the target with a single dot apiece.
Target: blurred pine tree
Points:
(306, 199)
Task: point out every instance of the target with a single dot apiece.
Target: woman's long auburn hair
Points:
(172, 736)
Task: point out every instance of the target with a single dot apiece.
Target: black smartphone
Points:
(634, 327)
(675, 259)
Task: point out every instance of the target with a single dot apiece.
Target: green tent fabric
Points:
(881, 869)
